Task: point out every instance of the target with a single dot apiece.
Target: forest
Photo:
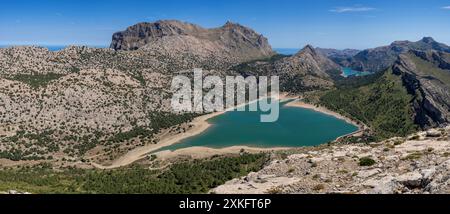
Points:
(193, 176)
(382, 104)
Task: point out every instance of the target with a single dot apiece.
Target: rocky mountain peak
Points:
(230, 43)
(307, 49)
(401, 43)
(231, 24)
(428, 40)
(309, 61)
(380, 58)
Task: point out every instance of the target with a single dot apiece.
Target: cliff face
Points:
(141, 34)
(231, 42)
(426, 75)
(379, 59)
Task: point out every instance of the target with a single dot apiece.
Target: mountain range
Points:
(380, 58)
(231, 42)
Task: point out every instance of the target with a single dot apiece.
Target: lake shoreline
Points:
(200, 124)
(198, 152)
(201, 151)
(301, 104)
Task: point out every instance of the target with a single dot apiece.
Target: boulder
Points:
(411, 179)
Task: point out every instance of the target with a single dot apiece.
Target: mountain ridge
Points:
(424, 78)
(231, 40)
(380, 58)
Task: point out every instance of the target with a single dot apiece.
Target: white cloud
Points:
(446, 8)
(351, 9)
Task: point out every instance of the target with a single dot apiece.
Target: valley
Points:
(88, 117)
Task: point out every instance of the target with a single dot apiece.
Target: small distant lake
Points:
(347, 72)
(296, 127)
(287, 51)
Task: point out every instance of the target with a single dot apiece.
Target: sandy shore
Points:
(204, 152)
(199, 125)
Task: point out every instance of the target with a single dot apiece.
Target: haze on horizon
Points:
(287, 23)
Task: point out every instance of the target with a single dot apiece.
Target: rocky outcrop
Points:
(230, 42)
(414, 165)
(379, 59)
(426, 77)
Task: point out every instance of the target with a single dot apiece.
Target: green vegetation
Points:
(135, 132)
(42, 141)
(294, 83)
(163, 120)
(252, 66)
(366, 161)
(196, 176)
(383, 104)
(36, 80)
(159, 121)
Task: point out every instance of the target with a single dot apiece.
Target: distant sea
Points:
(287, 51)
(53, 47)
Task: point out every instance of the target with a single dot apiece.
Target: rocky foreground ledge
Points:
(417, 164)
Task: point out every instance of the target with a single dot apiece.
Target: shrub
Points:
(366, 161)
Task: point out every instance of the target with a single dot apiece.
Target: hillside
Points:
(307, 70)
(380, 58)
(426, 75)
(412, 94)
(182, 177)
(384, 105)
(81, 105)
(417, 164)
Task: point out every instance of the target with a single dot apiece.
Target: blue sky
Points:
(287, 23)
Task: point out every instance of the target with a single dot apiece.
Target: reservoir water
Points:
(296, 127)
